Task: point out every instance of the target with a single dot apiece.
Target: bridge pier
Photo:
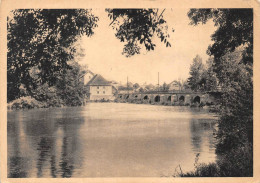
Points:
(187, 100)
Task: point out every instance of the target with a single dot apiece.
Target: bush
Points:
(203, 170)
(25, 103)
(237, 163)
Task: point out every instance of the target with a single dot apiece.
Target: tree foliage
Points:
(141, 90)
(202, 76)
(136, 86)
(209, 78)
(43, 38)
(68, 91)
(197, 68)
(232, 51)
(237, 102)
(235, 28)
(137, 27)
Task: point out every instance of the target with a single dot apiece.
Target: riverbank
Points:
(25, 103)
(225, 166)
(31, 103)
(212, 107)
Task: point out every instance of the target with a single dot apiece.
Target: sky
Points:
(103, 51)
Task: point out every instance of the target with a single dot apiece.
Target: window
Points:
(97, 87)
(97, 92)
(104, 92)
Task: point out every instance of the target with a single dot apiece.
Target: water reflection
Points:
(107, 140)
(43, 148)
(53, 167)
(202, 134)
(66, 162)
(16, 161)
(17, 167)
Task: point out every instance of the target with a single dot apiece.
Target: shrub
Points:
(203, 170)
(25, 103)
(237, 163)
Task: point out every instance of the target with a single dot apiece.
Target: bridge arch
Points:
(196, 99)
(182, 98)
(169, 98)
(146, 97)
(157, 98)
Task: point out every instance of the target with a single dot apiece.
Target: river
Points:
(109, 140)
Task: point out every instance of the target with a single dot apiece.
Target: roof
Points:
(174, 83)
(98, 80)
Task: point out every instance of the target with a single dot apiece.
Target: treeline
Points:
(68, 90)
(202, 76)
(232, 67)
(43, 39)
(41, 62)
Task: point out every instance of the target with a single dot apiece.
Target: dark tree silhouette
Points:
(43, 38)
(137, 27)
(232, 51)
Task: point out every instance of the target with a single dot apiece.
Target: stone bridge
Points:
(167, 98)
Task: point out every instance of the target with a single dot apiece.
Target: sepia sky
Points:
(103, 51)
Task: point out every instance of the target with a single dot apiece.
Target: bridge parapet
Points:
(167, 98)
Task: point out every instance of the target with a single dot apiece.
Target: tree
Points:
(165, 87)
(69, 88)
(180, 83)
(232, 51)
(136, 86)
(70, 85)
(211, 81)
(137, 27)
(141, 90)
(150, 87)
(195, 80)
(186, 85)
(237, 103)
(43, 38)
(235, 28)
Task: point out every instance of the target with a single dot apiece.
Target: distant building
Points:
(98, 88)
(125, 91)
(115, 84)
(174, 86)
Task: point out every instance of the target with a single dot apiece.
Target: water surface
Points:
(108, 140)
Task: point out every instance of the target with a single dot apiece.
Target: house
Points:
(115, 84)
(174, 86)
(98, 88)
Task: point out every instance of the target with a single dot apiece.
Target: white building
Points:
(99, 89)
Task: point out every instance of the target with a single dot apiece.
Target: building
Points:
(174, 86)
(99, 88)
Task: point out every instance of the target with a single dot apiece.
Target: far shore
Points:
(25, 103)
